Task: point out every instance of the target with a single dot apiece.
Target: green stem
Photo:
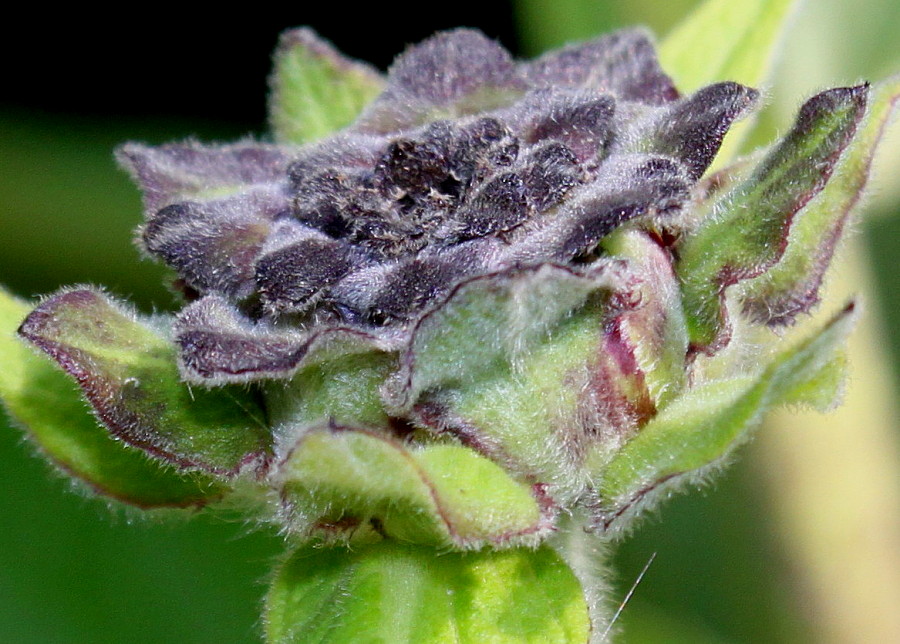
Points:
(587, 555)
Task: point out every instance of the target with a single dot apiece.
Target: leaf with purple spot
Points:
(654, 332)
(502, 360)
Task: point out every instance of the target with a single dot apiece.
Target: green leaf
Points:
(316, 90)
(345, 479)
(746, 232)
(698, 430)
(823, 390)
(725, 40)
(791, 286)
(395, 593)
(128, 373)
(43, 399)
(536, 419)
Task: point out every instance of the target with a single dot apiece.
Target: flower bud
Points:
(486, 295)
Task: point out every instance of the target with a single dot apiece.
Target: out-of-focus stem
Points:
(587, 555)
(835, 489)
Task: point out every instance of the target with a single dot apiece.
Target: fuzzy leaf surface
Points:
(193, 172)
(217, 345)
(402, 593)
(209, 208)
(128, 373)
(657, 329)
(791, 286)
(315, 89)
(746, 233)
(508, 356)
(490, 322)
(443, 495)
(42, 399)
(506, 412)
(449, 75)
(701, 427)
(344, 389)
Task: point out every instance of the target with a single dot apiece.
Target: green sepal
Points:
(699, 429)
(656, 329)
(45, 402)
(127, 372)
(506, 414)
(508, 356)
(746, 231)
(490, 323)
(822, 391)
(338, 481)
(344, 388)
(315, 89)
(388, 592)
(791, 286)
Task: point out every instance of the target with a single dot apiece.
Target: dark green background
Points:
(74, 570)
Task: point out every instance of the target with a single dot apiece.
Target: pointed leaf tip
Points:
(315, 89)
(726, 40)
(746, 233)
(191, 171)
(695, 127)
(791, 287)
(128, 374)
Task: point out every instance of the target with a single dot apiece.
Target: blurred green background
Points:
(74, 570)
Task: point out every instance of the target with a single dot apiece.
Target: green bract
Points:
(458, 319)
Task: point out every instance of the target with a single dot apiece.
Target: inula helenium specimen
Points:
(470, 317)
